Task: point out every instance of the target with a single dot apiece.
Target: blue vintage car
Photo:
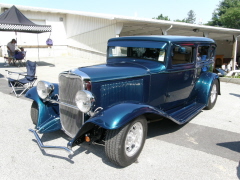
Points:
(145, 78)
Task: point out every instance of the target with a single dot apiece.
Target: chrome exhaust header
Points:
(41, 146)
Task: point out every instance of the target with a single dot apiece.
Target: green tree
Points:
(226, 15)
(215, 20)
(191, 17)
(161, 17)
(179, 20)
(231, 18)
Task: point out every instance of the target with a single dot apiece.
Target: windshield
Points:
(156, 53)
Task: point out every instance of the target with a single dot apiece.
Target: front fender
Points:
(203, 86)
(115, 117)
(47, 112)
(120, 114)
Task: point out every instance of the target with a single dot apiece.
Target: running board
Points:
(41, 146)
(187, 113)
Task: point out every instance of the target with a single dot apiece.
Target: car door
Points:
(181, 75)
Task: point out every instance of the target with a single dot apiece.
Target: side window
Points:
(182, 54)
(117, 51)
(202, 53)
(212, 51)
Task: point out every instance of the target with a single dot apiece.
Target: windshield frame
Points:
(158, 47)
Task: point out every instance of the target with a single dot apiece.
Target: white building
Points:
(84, 34)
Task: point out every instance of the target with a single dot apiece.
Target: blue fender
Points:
(203, 86)
(118, 115)
(115, 117)
(48, 113)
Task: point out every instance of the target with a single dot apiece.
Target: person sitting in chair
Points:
(19, 55)
(11, 46)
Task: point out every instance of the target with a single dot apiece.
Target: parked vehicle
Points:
(145, 78)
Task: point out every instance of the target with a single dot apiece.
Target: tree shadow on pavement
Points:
(238, 170)
(234, 146)
(43, 63)
(7, 67)
(233, 94)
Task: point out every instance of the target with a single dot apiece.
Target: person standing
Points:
(11, 47)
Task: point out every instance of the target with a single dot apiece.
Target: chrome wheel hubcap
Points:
(213, 93)
(134, 139)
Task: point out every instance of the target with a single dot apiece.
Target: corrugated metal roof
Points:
(58, 11)
(143, 26)
(120, 18)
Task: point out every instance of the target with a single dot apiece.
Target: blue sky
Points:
(174, 9)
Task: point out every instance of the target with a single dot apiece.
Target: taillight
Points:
(88, 85)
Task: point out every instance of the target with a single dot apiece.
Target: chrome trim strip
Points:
(62, 103)
(41, 146)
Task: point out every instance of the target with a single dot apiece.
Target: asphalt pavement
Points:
(207, 147)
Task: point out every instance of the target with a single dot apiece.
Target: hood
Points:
(113, 71)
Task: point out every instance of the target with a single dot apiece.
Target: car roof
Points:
(165, 38)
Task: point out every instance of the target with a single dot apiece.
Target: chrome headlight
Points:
(84, 100)
(44, 89)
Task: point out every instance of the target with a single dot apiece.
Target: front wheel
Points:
(213, 95)
(124, 145)
(34, 112)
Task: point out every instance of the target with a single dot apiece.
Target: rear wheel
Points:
(213, 95)
(124, 145)
(34, 112)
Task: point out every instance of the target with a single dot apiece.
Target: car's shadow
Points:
(154, 129)
(85, 147)
(162, 127)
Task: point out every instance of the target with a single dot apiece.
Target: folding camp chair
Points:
(20, 58)
(24, 83)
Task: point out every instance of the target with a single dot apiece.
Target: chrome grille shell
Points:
(71, 119)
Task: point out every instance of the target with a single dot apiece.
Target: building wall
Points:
(89, 33)
(75, 35)
(58, 34)
(225, 48)
(31, 41)
(82, 36)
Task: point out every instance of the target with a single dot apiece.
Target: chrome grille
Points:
(71, 119)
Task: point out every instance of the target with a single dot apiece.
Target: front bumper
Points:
(41, 146)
